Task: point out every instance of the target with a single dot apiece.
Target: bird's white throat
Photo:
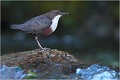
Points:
(55, 22)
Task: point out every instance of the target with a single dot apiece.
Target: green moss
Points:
(31, 75)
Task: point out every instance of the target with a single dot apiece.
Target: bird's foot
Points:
(43, 49)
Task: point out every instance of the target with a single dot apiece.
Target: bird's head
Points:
(55, 13)
(58, 12)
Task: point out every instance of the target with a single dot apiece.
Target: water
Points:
(97, 72)
(94, 72)
(11, 72)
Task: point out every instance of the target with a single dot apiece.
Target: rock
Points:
(46, 62)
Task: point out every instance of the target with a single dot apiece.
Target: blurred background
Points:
(90, 32)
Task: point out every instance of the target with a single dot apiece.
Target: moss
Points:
(31, 75)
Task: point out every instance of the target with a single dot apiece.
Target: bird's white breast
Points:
(55, 22)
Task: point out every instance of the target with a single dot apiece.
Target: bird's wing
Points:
(36, 24)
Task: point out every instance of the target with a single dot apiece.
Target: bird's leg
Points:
(36, 38)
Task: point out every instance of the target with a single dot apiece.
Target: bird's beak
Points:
(65, 13)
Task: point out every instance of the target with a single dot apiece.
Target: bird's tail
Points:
(15, 26)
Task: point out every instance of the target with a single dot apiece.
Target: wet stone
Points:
(47, 63)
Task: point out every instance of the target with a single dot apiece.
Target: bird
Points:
(41, 25)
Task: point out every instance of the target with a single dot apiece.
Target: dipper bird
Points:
(41, 25)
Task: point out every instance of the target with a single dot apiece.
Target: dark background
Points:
(90, 31)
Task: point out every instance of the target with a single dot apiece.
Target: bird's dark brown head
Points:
(58, 12)
(54, 13)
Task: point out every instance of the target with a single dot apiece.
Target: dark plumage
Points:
(41, 25)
